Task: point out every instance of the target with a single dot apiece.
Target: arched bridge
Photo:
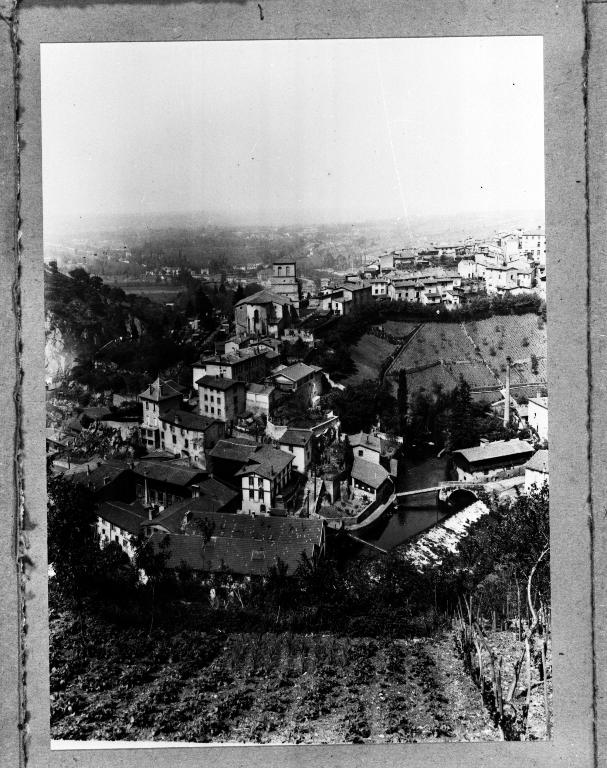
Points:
(444, 490)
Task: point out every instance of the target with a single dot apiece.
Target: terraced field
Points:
(365, 355)
(438, 353)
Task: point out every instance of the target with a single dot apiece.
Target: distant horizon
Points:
(293, 132)
(101, 221)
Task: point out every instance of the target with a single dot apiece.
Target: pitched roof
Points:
(168, 472)
(366, 440)
(212, 502)
(218, 382)
(495, 450)
(266, 462)
(126, 516)
(99, 476)
(264, 297)
(160, 390)
(296, 437)
(297, 371)
(245, 544)
(234, 449)
(369, 473)
(538, 462)
(187, 420)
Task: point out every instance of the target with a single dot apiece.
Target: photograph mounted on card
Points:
(299, 298)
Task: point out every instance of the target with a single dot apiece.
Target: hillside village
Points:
(252, 429)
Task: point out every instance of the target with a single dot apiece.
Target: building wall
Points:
(367, 453)
(260, 402)
(108, 533)
(256, 492)
(533, 477)
(302, 455)
(538, 418)
(225, 405)
(190, 443)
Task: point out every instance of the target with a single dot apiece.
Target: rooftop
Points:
(168, 472)
(160, 390)
(187, 420)
(234, 449)
(126, 516)
(538, 462)
(369, 473)
(297, 371)
(242, 555)
(296, 437)
(218, 382)
(267, 462)
(495, 450)
(364, 439)
(265, 297)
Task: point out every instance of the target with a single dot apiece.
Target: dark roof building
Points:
(499, 454)
(193, 422)
(245, 545)
(129, 517)
(266, 462)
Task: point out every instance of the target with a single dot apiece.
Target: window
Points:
(186, 442)
(251, 494)
(206, 397)
(212, 399)
(212, 410)
(206, 409)
(174, 439)
(360, 452)
(115, 538)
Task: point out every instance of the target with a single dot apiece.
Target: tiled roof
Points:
(495, 450)
(297, 371)
(245, 544)
(126, 516)
(162, 390)
(264, 297)
(218, 382)
(266, 462)
(369, 473)
(212, 502)
(367, 441)
(167, 472)
(233, 449)
(99, 475)
(538, 462)
(187, 420)
(296, 437)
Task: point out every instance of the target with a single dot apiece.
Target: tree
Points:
(460, 424)
(72, 545)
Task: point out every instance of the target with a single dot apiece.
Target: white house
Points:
(298, 443)
(263, 479)
(538, 416)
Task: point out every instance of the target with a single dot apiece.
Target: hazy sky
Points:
(286, 131)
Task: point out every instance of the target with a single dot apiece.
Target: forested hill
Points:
(83, 314)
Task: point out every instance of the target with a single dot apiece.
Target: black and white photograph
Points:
(295, 367)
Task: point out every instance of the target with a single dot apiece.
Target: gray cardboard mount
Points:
(575, 42)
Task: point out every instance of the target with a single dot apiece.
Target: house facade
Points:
(489, 459)
(188, 435)
(222, 399)
(266, 480)
(161, 396)
(297, 443)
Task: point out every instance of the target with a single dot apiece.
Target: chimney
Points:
(507, 399)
